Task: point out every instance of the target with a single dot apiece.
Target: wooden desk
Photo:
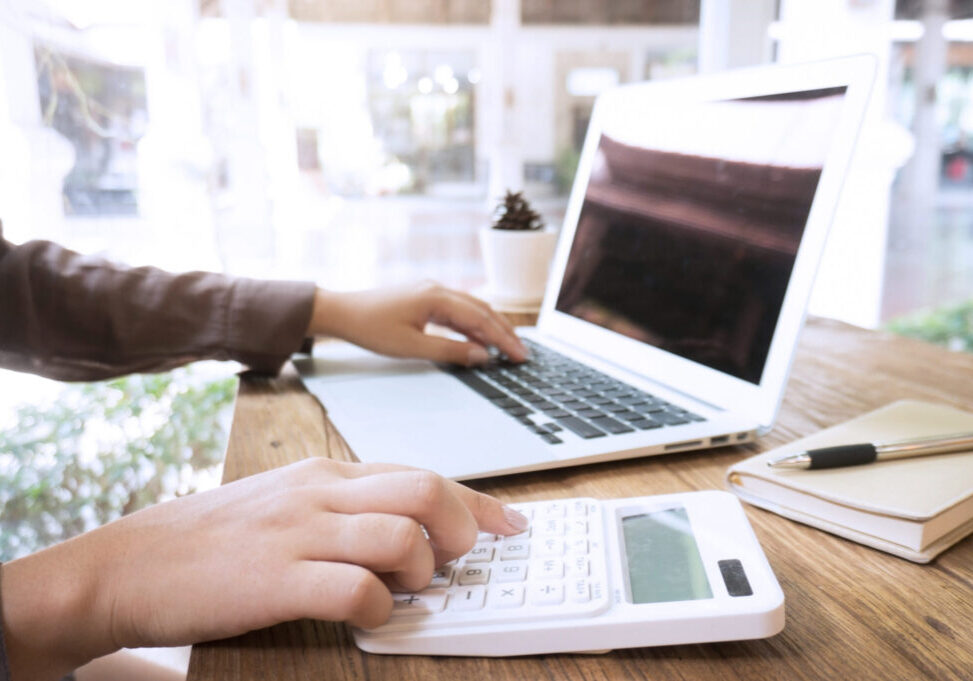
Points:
(852, 613)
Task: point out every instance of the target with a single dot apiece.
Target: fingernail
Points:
(515, 519)
(477, 355)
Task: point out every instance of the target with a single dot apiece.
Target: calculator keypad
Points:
(556, 568)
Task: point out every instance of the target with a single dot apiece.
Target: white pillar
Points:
(34, 157)
(244, 223)
(733, 33)
(920, 177)
(500, 75)
(174, 156)
(849, 281)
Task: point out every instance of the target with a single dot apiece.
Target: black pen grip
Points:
(843, 455)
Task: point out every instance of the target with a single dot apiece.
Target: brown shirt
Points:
(78, 318)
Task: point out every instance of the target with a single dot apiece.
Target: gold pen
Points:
(868, 452)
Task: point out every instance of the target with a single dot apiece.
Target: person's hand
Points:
(393, 322)
(318, 539)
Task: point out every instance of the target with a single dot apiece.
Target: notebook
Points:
(913, 508)
(678, 288)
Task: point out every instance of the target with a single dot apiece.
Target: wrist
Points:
(50, 605)
(326, 313)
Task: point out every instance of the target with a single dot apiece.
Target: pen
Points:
(867, 452)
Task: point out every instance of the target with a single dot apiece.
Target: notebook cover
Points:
(887, 493)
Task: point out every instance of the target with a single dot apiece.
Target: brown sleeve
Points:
(74, 317)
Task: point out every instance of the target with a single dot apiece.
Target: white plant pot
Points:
(517, 263)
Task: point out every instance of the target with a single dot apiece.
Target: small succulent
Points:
(515, 213)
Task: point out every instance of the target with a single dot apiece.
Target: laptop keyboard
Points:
(551, 393)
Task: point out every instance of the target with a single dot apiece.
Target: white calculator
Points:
(592, 575)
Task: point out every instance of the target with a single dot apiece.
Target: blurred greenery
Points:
(950, 326)
(105, 449)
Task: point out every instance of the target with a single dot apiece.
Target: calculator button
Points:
(418, 604)
(578, 566)
(550, 547)
(510, 572)
(579, 508)
(517, 550)
(578, 546)
(552, 509)
(546, 594)
(486, 537)
(510, 596)
(442, 577)
(577, 526)
(549, 568)
(481, 553)
(579, 591)
(520, 535)
(473, 575)
(526, 511)
(471, 598)
(550, 527)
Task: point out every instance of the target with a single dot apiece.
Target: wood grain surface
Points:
(853, 613)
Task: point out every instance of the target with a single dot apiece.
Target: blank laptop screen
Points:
(691, 222)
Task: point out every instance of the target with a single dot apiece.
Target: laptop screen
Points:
(691, 222)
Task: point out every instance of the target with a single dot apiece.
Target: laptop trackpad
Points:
(419, 416)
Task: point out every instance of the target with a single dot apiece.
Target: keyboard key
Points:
(669, 419)
(591, 413)
(551, 439)
(518, 411)
(557, 413)
(580, 428)
(611, 425)
(646, 424)
(473, 381)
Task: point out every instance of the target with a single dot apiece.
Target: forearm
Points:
(75, 317)
(53, 621)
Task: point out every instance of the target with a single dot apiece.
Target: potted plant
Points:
(517, 253)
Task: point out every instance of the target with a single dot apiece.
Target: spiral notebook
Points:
(912, 508)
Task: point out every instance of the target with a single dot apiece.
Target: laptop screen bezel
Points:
(758, 401)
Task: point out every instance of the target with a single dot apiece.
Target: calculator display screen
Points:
(663, 558)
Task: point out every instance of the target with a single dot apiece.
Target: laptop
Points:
(676, 295)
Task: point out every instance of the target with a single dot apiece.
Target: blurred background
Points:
(360, 143)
